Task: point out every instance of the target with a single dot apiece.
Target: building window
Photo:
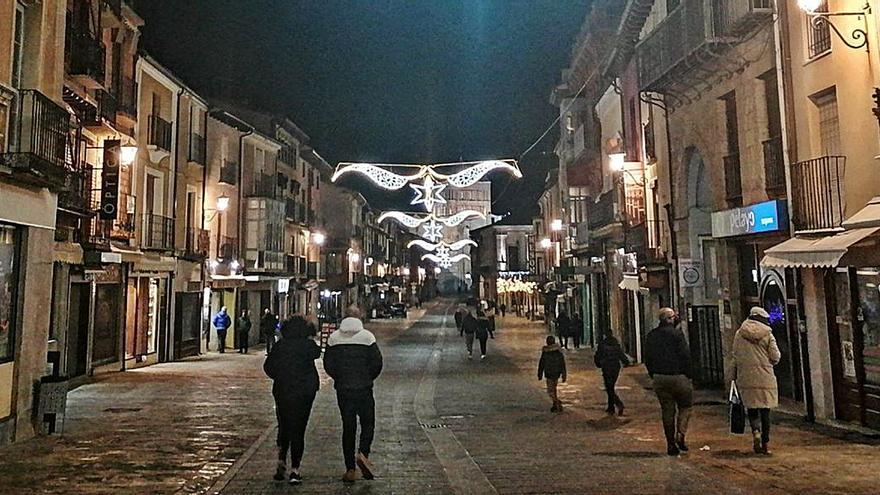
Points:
(732, 173)
(8, 288)
(829, 123)
(818, 34)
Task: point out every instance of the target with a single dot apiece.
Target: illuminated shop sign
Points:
(770, 216)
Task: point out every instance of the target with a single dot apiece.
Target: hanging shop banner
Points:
(769, 216)
(110, 180)
(690, 273)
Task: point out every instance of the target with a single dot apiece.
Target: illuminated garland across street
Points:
(429, 194)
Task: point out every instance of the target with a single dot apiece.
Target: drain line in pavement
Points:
(463, 473)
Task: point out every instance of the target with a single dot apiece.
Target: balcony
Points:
(603, 212)
(39, 137)
(732, 179)
(197, 149)
(291, 210)
(695, 32)
(126, 98)
(98, 233)
(198, 242)
(229, 172)
(264, 186)
(228, 248)
(642, 239)
(75, 195)
(582, 234)
(104, 113)
(774, 167)
(159, 132)
(158, 232)
(84, 55)
(817, 191)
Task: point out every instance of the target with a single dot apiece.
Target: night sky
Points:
(380, 80)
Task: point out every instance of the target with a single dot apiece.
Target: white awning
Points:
(629, 282)
(867, 217)
(820, 252)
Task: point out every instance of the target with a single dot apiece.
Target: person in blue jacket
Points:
(222, 322)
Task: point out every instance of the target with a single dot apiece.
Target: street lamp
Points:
(556, 225)
(546, 243)
(859, 36)
(617, 161)
(127, 155)
(318, 238)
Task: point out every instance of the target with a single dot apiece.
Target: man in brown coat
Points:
(754, 354)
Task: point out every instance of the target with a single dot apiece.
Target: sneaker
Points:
(672, 450)
(765, 450)
(483, 357)
(350, 476)
(680, 443)
(280, 472)
(470, 356)
(295, 477)
(365, 466)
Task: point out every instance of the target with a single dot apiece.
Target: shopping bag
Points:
(737, 411)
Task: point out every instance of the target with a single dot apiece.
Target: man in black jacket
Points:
(268, 323)
(353, 360)
(667, 358)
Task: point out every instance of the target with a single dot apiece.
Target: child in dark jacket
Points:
(552, 367)
(610, 358)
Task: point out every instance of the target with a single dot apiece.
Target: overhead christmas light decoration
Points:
(433, 230)
(413, 221)
(455, 246)
(445, 261)
(428, 193)
(378, 173)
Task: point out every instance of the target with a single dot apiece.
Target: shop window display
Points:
(869, 313)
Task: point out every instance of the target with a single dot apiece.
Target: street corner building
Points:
(132, 208)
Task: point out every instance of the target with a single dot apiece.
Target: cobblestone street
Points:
(445, 425)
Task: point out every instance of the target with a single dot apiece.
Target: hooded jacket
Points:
(610, 356)
(552, 363)
(754, 354)
(352, 357)
(469, 324)
(222, 321)
(291, 365)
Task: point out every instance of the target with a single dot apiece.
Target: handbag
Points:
(737, 413)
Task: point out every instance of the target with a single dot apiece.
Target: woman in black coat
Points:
(610, 358)
(291, 366)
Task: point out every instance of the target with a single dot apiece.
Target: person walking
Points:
(667, 358)
(268, 323)
(610, 358)
(577, 330)
(459, 314)
(503, 309)
(242, 331)
(563, 327)
(755, 353)
(468, 330)
(353, 361)
(484, 331)
(551, 367)
(222, 322)
(490, 316)
(291, 366)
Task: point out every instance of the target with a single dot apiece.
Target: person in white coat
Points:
(754, 354)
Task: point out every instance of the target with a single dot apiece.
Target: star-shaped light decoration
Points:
(433, 231)
(428, 193)
(442, 251)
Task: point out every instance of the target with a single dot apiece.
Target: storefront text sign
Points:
(769, 216)
(110, 180)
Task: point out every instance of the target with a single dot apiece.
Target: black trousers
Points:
(242, 343)
(759, 419)
(270, 341)
(483, 339)
(577, 340)
(354, 405)
(221, 340)
(610, 377)
(293, 418)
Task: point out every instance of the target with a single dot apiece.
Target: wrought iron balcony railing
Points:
(817, 191)
(84, 53)
(264, 186)
(604, 211)
(228, 248)
(39, 138)
(126, 97)
(158, 232)
(229, 172)
(159, 131)
(105, 112)
(774, 167)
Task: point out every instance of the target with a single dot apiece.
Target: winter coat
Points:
(352, 358)
(485, 328)
(610, 356)
(268, 323)
(469, 324)
(552, 363)
(667, 352)
(754, 354)
(222, 321)
(563, 325)
(458, 318)
(243, 325)
(291, 365)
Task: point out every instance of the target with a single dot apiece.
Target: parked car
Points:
(397, 310)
